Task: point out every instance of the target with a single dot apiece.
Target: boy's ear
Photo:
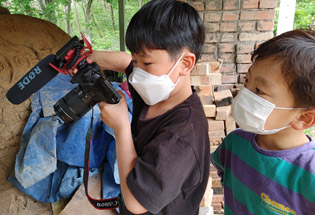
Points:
(304, 121)
(188, 63)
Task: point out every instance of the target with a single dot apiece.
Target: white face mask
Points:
(152, 88)
(251, 111)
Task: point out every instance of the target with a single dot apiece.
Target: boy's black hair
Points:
(166, 24)
(296, 52)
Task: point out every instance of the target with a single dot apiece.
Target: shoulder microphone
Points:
(32, 81)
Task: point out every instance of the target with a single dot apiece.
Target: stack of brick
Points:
(217, 100)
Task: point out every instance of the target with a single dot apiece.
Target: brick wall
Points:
(234, 28)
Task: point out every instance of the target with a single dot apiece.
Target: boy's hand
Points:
(115, 116)
(89, 59)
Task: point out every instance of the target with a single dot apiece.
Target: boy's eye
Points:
(258, 91)
(146, 64)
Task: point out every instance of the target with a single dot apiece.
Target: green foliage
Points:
(304, 14)
(104, 32)
(310, 131)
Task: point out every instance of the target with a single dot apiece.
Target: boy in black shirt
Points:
(163, 156)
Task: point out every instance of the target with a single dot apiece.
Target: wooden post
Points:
(286, 16)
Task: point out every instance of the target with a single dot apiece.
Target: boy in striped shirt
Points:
(267, 166)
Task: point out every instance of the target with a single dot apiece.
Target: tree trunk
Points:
(104, 2)
(76, 15)
(112, 15)
(97, 28)
(41, 4)
(68, 16)
(50, 14)
(87, 20)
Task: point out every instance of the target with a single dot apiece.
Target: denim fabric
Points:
(50, 161)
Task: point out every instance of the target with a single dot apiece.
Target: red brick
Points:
(211, 38)
(229, 124)
(222, 98)
(208, 58)
(204, 90)
(200, 80)
(244, 48)
(228, 26)
(209, 48)
(246, 26)
(215, 141)
(243, 58)
(216, 65)
(210, 111)
(228, 68)
(231, 4)
(227, 57)
(212, 27)
(227, 37)
(257, 15)
(230, 16)
(213, 5)
(268, 3)
(265, 26)
(215, 125)
(216, 182)
(206, 99)
(200, 69)
(250, 4)
(229, 79)
(215, 78)
(199, 6)
(217, 207)
(226, 47)
(243, 68)
(212, 17)
(224, 87)
(218, 198)
(223, 112)
(216, 134)
(255, 36)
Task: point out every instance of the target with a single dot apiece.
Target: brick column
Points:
(234, 28)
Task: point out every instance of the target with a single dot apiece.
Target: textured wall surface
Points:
(24, 41)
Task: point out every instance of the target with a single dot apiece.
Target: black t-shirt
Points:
(172, 169)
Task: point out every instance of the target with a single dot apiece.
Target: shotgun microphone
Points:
(32, 81)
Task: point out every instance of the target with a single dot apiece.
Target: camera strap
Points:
(101, 204)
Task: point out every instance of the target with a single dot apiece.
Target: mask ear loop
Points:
(175, 67)
(284, 108)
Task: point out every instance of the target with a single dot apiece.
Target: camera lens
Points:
(74, 105)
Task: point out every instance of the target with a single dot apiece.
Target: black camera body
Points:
(92, 88)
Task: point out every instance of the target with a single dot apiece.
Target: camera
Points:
(93, 85)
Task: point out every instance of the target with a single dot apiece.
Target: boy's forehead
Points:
(267, 71)
(151, 53)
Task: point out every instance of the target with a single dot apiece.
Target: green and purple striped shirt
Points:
(258, 181)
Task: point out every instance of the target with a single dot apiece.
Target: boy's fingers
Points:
(101, 104)
(89, 59)
(73, 71)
